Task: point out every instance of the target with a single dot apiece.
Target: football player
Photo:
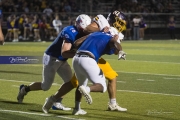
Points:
(54, 62)
(110, 74)
(88, 53)
(117, 20)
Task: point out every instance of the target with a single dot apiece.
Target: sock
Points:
(27, 88)
(59, 100)
(77, 105)
(113, 101)
(54, 100)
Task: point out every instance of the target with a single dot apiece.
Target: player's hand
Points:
(106, 29)
(122, 55)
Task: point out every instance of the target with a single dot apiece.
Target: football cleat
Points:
(59, 106)
(48, 104)
(21, 93)
(83, 91)
(79, 112)
(116, 107)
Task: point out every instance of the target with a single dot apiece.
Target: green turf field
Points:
(148, 84)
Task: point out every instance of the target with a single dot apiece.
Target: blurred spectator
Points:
(67, 7)
(63, 16)
(21, 27)
(143, 26)
(36, 26)
(50, 29)
(171, 27)
(136, 20)
(15, 26)
(48, 11)
(57, 24)
(43, 4)
(25, 7)
(9, 34)
(128, 29)
(27, 28)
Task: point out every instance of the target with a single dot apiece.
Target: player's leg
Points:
(78, 96)
(54, 101)
(111, 76)
(49, 69)
(65, 73)
(89, 68)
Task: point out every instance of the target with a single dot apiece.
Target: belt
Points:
(83, 54)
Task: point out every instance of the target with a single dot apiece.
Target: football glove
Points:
(122, 55)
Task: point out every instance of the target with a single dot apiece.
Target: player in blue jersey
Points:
(86, 59)
(100, 23)
(54, 62)
(118, 20)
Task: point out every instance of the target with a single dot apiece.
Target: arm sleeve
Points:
(101, 21)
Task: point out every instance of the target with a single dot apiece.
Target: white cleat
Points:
(48, 104)
(83, 91)
(79, 112)
(60, 106)
(116, 107)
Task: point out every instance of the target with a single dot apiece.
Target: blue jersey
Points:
(69, 33)
(97, 44)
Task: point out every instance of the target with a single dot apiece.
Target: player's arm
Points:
(118, 48)
(1, 33)
(93, 27)
(66, 51)
(79, 41)
(114, 43)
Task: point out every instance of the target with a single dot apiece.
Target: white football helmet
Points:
(82, 21)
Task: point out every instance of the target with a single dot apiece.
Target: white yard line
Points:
(40, 114)
(148, 61)
(23, 81)
(150, 80)
(14, 80)
(148, 73)
(121, 81)
(148, 92)
(22, 112)
(167, 78)
(145, 80)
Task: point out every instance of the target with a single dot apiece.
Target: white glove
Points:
(122, 55)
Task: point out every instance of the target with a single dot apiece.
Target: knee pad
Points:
(74, 81)
(45, 87)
